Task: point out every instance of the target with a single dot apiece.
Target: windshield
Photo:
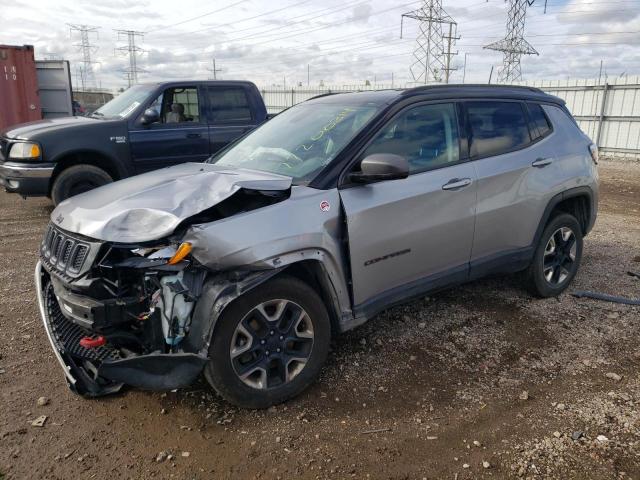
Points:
(300, 141)
(126, 102)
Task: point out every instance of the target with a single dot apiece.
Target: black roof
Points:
(440, 91)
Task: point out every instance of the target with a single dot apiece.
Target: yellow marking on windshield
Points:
(328, 127)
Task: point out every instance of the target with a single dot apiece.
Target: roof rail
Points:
(443, 86)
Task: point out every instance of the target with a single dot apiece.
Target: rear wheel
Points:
(557, 257)
(270, 344)
(76, 180)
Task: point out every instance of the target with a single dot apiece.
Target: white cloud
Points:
(343, 41)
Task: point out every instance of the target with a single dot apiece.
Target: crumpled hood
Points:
(150, 206)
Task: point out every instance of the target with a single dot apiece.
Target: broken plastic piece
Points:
(92, 342)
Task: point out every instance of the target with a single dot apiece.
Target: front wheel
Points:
(77, 179)
(557, 257)
(270, 344)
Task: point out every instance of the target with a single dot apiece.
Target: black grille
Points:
(67, 334)
(4, 147)
(62, 252)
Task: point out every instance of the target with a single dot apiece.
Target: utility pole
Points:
(214, 69)
(452, 37)
(132, 50)
(430, 56)
(464, 69)
(308, 74)
(513, 45)
(86, 49)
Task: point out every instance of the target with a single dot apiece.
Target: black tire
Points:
(554, 260)
(220, 371)
(77, 179)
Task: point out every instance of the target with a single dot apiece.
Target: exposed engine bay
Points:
(116, 311)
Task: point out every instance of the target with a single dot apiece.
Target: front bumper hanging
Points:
(102, 370)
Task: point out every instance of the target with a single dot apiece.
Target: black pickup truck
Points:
(148, 126)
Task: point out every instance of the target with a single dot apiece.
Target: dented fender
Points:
(309, 225)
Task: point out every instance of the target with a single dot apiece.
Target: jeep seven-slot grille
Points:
(63, 252)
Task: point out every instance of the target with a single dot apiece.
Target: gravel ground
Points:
(481, 381)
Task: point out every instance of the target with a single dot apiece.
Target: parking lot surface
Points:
(481, 381)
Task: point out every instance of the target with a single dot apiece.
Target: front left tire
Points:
(270, 344)
(77, 179)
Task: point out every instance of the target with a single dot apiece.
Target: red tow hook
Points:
(92, 342)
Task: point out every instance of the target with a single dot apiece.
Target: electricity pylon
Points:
(432, 61)
(132, 50)
(513, 45)
(88, 77)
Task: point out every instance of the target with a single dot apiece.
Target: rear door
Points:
(181, 135)
(512, 146)
(229, 114)
(409, 235)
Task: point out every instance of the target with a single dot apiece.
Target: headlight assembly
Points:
(25, 151)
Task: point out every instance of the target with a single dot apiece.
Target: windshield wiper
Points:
(98, 114)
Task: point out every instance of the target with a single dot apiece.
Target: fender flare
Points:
(555, 200)
(217, 293)
(221, 289)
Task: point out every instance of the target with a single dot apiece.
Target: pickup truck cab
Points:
(147, 127)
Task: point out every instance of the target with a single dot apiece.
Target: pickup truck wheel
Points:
(270, 344)
(557, 257)
(77, 179)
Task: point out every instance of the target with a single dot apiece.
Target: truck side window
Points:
(427, 136)
(229, 104)
(178, 105)
(497, 128)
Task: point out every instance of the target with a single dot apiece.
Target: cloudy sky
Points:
(343, 42)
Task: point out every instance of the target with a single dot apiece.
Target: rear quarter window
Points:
(539, 121)
(497, 127)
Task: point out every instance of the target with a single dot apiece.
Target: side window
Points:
(184, 106)
(229, 104)
(538, 120)
(178, 105)
(497, 127)
(427, 136)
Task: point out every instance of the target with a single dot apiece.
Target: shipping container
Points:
(54, 87)
(19, 98)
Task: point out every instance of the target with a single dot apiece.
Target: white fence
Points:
(606, 110)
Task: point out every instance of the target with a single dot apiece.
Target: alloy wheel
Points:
(559, 256)
(272, 344)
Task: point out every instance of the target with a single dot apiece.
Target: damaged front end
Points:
(119, 314)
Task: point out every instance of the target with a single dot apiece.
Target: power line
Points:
(132, 50)
(270, 12)
(87, 75)
(197, 17)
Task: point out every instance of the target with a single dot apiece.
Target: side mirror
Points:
(381, 166)
(150, 116)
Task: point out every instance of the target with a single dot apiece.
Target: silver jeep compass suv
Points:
(243, 267)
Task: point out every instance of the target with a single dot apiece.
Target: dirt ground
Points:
(479, 374)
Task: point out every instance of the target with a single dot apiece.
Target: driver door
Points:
(411, 235)
(180, 136)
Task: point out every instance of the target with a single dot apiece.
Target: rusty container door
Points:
(19, 100)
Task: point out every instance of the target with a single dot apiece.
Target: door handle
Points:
(194, 135)
(456, 183)
(542, 162)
